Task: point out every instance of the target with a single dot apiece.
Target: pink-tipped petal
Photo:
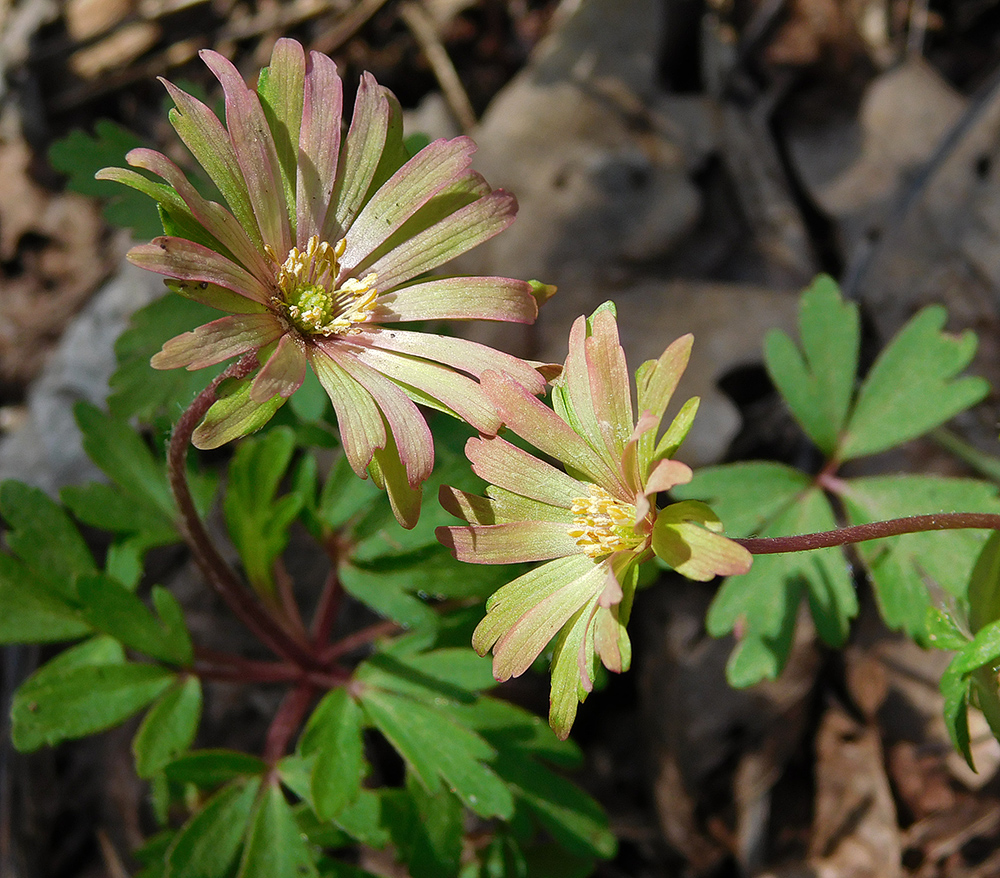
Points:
(360, 155)
(543, 428)
(576, 381)
(510, 543)
(412, 435)
(389, 472)
(460, 298)
(283, 373)
(253, 144)
(446, 239)
(218, 341)
(186, 260)
(500, 463)
(609, 383)
(209, 143)
(459, 353)
(666, 475)
(515, 651)
(468, 507)
(216, 220)
(401, 196)
(281, 91)
(435, 383)
(319, 145)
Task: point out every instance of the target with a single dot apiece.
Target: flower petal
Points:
(435, 384)
(411, 187)
(567, 689)
(520, 646)
(656, 381)
(209, 143)
(186, 260)
(698, 553)
(215, 297)
(217, 341)
(412, 435)
(254, 147)
(283, 373)
(666, 475)
(459, 353)
(359, 418)
(360, 155)
(500, 463)
(511, 601)
(578, 406)
(319, 145)
(510, 543)
(446, 239)
(389, 472)
(468, 507)
(216, 220)
(460, 298)
(609, 383)
(281, 90)
(531, 419)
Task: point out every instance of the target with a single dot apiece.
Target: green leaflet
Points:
(32, 613)
(168, 729)
(912, 387)
(209, 768)
(333, 736)
(81, 692)
(900, 565)
(274, 846)
(208, 844)
(257, 519)
(817, 381)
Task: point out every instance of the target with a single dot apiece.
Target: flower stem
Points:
(858, 533)
(219, 575)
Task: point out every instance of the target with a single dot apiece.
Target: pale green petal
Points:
(283, 373)
(655, 385)
(500, 463)
(218, 341)
(234, 415)
(509, 543)
(460, 298)
(698, 553)
(609, 384)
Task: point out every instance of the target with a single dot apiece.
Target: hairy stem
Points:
(219, 575)
(859, 533)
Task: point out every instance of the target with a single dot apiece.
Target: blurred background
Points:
(697, 161)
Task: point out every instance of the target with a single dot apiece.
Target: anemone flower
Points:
(326, 239)
(593, 522)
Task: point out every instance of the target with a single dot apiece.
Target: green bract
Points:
(321, 246)
(593, 523)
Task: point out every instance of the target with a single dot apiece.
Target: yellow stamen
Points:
(603, 524)
(310, 297)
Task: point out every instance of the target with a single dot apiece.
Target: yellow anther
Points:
(602, 524)
(309, 295)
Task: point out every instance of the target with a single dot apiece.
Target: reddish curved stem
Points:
(875, 530)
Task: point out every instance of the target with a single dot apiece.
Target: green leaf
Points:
(334, 735)
(208, 844)
(168, 729)
(955, 688)
(43, 536)
(209, 768)
(139, 390)
(912, 387)
(310, 403)
(983, 651)
(109, 508)
(80, 156)
(900, 565)
(393, 603)
(274, 846)
(55, 705)
(455, 674)
(984, 585)
(32, 613)
(763, 603)
(417, 731)
(817, 381)
(431, 840)
(574, 819)
(943, 631)
(120, 452)
(111, 608)
(258, 522)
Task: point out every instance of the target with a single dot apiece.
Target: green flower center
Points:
(310, 297)
(603, 524)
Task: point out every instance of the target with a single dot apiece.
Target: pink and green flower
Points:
(323, 247)
(594, 522)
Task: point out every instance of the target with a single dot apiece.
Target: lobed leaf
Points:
(274, 846)
(817, 381)
(912, 387)
(333, 736)
(168, 729)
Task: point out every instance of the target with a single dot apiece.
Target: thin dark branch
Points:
(876, 530)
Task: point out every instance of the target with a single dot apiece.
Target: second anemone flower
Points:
(321, 250)
(594, 522)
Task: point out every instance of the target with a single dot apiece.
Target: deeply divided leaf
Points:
(817, 381)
